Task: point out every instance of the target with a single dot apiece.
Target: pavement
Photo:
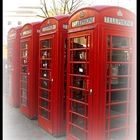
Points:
(16, 126)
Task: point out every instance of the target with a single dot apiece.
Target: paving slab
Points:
(16, 126)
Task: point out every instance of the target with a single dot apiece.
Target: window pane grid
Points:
(45, 56)
(118, 87)
(78, 88)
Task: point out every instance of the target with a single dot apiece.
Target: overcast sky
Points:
(14, 4)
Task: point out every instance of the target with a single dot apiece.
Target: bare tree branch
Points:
(45, 6)
(54, 7)
(60, 7)
(75, 4)
(41, 16)
(43, 11)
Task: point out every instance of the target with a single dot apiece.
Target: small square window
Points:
(19, 22)
(9, 23)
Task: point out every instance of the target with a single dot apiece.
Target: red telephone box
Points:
(52, 82)
(29, 47)
(13, 65)
(100, 72)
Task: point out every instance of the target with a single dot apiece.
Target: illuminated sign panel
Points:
(117, 21)
(83, 22)
(27, 32)
(48, 28)
(12, 35)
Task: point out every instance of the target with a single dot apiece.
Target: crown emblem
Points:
(48, 22)
(119, 13)
(82, 14)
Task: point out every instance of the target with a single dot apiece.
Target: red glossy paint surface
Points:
(13, 65)
(29, 47)
(52, 75)
(100, 74)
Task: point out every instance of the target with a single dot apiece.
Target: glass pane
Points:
(24, 85)
(107, 138)
(79, 82)
(79, 69)
(80, 42)
(79, 108)
(45, 74)
(119, 56)
(118, 122)
(45, 84)
(24, 69)
(79, 55)
(24, 45)
(108, 83)
(24, 61)
(79, 121)
(107, 111)
(119, 83)
(107, 97)
(118, 135)
(108, 55)
(46, 64)
(24, 53)
(45, 94)
(46, 54)
(45, 44)
(118, 109)
(78, 133)
(108, 41)
(45, 114)
(119, 69)
(24, 93)
(79, 95)
(120, 42)
(119, 96)
(24, 101)
(130, 68)
(44, 104)
(24, 77)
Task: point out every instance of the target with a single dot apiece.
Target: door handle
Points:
(52, 80)
(90, 92)
(28, 73)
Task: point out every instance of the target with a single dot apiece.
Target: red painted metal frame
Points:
(88, 79)
(53, 29)
(29, 35)
(13, 65)
(127, 114)
(99, 32)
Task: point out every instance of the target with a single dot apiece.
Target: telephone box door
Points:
(80, 89)
(119, 95)
(25, 72)
(46, 97)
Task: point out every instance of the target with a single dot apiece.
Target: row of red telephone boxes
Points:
(61, 72)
